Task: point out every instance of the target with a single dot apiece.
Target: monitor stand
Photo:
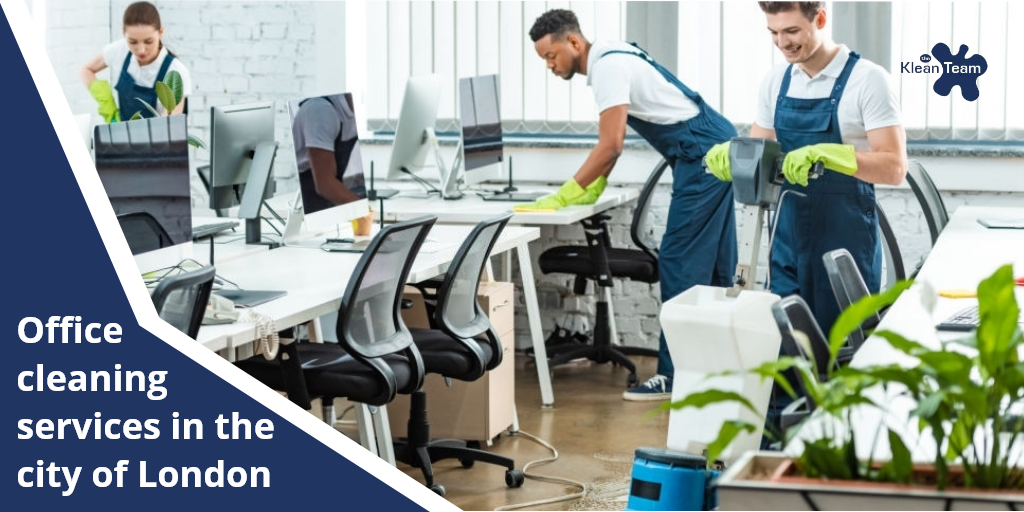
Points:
(450, 177)
(255, 188)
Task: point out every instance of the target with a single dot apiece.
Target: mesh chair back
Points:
(647, 229)
(791, 315)
(458, 312)
(181, 299)
(849, 287)
(928, 196)
(891, 256)
(143, 232)
(369, 321)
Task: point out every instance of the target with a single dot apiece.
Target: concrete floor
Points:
(593, 429)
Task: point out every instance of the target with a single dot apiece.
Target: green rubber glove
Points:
(835, 157)
(593, 192)
(570, 191)
(717, 161)
(104, 95)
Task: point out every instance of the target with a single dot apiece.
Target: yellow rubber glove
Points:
(570, 191)
(593, 192)
(104, 95)
(835, 157)
(717, 161)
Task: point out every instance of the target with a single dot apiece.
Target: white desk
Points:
(965, 254)
(472, 209)
(316, 280)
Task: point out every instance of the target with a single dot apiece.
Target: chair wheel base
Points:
(514, 478)
(632, 381)
(438, 489)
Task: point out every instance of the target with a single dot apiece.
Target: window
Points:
(724, 51)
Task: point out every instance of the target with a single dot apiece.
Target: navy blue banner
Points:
(69, 445)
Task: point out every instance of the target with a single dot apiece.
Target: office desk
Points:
(964, 254)
(316, 280)
(471, 209)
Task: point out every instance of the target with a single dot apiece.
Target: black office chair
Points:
(143, 232)
(935, 213)
(792, 315)
(598, 261)
(375, 357)
(891, 255)
(849, 287)
(181, 299)
(459, 345)
(928, 196)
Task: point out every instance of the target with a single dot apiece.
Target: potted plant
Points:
(955, 406)
(170, 93)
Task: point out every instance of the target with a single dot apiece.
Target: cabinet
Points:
(474, 411)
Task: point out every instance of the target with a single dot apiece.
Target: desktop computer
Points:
(414, 135)
(144, 168)
(242, 151)
(324, 133)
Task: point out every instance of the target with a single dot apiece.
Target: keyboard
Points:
(205, 230)
(964, 320)
(250, 298)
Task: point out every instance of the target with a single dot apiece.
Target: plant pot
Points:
(758, 481)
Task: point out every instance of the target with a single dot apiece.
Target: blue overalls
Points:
(838, 211)
(699, 245)
(128, 90)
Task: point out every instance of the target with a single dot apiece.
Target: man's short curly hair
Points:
(809, 9)
(557, 23)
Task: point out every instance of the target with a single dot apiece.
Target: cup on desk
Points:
(363, 225)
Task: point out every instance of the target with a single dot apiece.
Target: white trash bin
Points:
(707, 333)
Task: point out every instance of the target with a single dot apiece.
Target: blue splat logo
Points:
(957, 70)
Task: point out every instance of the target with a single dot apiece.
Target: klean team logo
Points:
(956, 70)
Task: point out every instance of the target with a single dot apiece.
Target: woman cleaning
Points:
(136, 63)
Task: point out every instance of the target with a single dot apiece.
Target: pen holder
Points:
(363, 226)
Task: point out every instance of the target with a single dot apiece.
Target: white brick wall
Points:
(236, 52)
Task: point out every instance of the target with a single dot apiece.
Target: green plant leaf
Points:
(900, 467)
(701, 399)
(196, 142)
(730, 429)
(827, 461)
(166, 96)
(173, 80)
(854, 316)
(927, 408)
(136, 115)
(949, 367)
(148, 107)
(998, 314)
(902, 344)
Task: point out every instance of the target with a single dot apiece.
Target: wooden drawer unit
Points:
(478, 410)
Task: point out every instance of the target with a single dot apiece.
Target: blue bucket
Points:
(670, 480)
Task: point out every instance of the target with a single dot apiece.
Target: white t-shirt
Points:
(868, 103)
(316, 125)
(144, 76)
(620, 79)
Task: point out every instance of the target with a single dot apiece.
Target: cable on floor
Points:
(545, 478)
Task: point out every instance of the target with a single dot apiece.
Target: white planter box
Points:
(746, 486)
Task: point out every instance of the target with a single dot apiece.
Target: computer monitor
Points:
(328, 123)
(480, 116)
(143, 165)
(414, 135)
(242, 149)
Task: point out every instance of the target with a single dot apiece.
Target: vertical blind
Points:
(725, 51)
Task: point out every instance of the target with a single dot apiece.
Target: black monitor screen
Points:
(481, 121)
(327, 124)
(143, 165)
